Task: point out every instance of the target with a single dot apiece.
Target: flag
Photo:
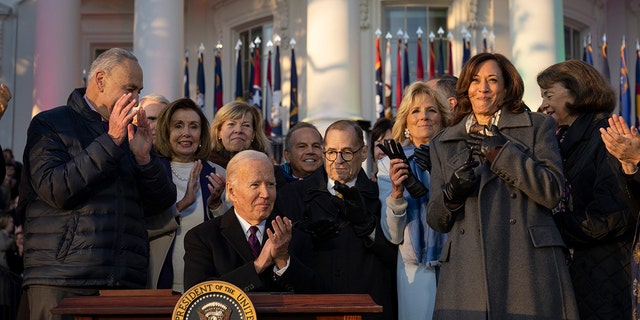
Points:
(276, 108)
(420, 64)
(217, 103)
(200, 78)
(387, 79)
(405, 68)
(268, 97)
(84, 78)
(589, 52)
(256, 92)
(239, 94)
(625, 94)
(484, 43)
(432, 57)
(293, 112)
(399, 73)
(252, 71)
(378, 69)
(440, 57)
(584, 49)
(186, 73)
(605, 60)
(276, 105)
(466, 51)
(637, 84)
(450, 57)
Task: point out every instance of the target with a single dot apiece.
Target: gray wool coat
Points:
(504, 255)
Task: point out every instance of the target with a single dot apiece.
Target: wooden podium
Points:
(159, 304)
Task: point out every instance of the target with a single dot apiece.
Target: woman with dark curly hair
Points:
(496, 174)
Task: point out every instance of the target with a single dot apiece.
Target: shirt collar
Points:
(246, 225)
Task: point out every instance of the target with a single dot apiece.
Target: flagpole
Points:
(378, 77)
(405, 64)
(200, 84)
(450, 53)
(625, 95)
(387, 78)
(268, 96)
(217, 103)
(432, 56)
(440, 52)
(293, 103)
(186, 73)
(637, 84)
(239, 94)
(399, 69)
(420, 65)
(605, 59)
(276, 105)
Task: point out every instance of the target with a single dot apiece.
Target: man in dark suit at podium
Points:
(248, 246)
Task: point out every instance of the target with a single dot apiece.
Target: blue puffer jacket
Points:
(86, 202)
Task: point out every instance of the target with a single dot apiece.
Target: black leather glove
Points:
(487, 146)
(461, 183)
(394, 150)
(352, 208)
(323, 229)
(423, 158)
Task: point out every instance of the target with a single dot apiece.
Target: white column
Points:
(333, 64)
(537, 39)
(57, 68)
(158, 42)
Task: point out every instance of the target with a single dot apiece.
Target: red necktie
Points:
(254, 244)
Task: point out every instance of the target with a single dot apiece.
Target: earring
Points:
(407, 134)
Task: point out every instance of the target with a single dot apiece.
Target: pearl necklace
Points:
(177, 175)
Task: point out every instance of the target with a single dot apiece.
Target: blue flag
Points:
(293, 112)
(186, 73)
(239, 94)
(466, 51)
(625, 92)
(200, 78)
(217, 100)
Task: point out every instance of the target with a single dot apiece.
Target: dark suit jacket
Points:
(348, 264)
(218, 250)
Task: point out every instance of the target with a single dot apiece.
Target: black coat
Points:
(86, 200)
(600, 227)
(347, 263)
(218, 250)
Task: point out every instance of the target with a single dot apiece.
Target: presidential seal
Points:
(214, 300)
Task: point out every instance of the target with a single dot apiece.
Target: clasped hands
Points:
(275, 249)
(120, 127)
(487, 146)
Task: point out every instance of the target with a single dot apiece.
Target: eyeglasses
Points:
(347, 155)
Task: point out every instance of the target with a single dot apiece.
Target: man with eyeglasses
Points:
(338, 207)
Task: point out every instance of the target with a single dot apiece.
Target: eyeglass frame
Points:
(341, 152)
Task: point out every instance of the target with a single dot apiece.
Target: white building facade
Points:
(45, 45)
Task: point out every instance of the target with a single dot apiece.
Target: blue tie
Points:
(254, 244)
